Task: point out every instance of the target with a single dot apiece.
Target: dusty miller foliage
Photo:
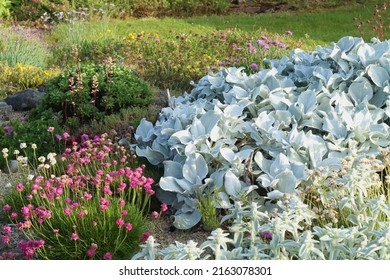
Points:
(242, 135)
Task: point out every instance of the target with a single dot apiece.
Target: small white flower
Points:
(5, 150)
(23, 145)
(33, 146)
(16, 152)
(30, 177)
(20, 159)
(53, 161)
(42, 159)
(47, 166)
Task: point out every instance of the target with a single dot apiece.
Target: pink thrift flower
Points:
(80, 214)
(128, 226)
(120, 222)
(288, 33)
(50, 129)
(67, 211)
(121, 202)
(65, 135)
(107, 256)
(92, 250)
(7, 208)
(104, 204)
(7, 230)
(19, 187)
(14, 216)
(124, 213)
(56, 231)
(155, 215)
(87, 196)
(164, 207)
(145, 236)
(254, 66)
(5, 239)
(74, 236)
(68, 200)
(29, 253)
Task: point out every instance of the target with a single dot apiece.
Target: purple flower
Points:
(266, 235)
(265, 38)
(59, 137)
(9, 129)
(288, 33)
(254, 66)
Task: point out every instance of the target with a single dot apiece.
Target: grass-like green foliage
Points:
(91, 91)
(210, 214)
(23, 45)
(21, 131)
(94, 205)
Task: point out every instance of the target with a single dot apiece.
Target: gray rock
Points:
(24, 100)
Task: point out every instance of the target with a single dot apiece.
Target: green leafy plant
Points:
(91, 91)
(4, 9)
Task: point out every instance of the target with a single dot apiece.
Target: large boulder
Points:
(24, 100)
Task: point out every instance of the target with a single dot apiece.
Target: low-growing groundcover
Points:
(258, 141)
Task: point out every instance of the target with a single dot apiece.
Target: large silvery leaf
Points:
(154, 157)
(378, 75)
(317, 149)
(360, 90)
(144, 132)
(232, 184)
(195, 168)
(370, 53)
(209, 120)
(307, 102)
(287, 182)
(187, 220)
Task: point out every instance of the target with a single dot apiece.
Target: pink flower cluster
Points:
(92, 179)
(6, 238)
(28, 247)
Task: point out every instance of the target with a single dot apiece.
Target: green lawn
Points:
(323, 26)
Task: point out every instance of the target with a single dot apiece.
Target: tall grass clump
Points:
(23, 45)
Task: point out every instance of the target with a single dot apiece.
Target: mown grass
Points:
(323, 26)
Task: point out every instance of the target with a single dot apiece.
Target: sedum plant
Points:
(235, 133)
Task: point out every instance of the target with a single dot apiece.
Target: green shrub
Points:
(91, 91)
